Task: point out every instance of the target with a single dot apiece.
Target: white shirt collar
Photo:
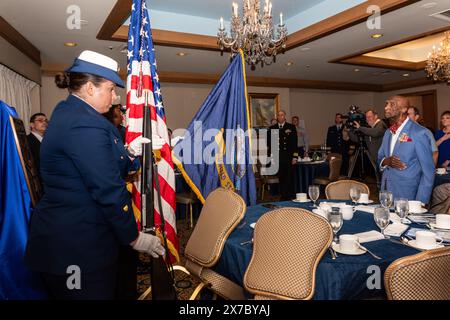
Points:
(281, 124)
(37, 135)
(394, 137)
(84, 101)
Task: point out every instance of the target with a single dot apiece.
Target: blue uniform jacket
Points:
(85, 213)
(416, 181)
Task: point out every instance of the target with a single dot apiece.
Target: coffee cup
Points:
(441, 171)
(347, 212)
(443, 221)
(363, 198)
(348, 243)
(301, 197)
(427, 240)
(415, 206)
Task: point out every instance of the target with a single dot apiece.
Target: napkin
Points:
(369, 209)
(394, 218)
(369, 236)
(395, 229)
(253, 225)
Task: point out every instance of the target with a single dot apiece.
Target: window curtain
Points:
(15, 90)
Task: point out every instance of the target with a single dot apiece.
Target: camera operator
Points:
(373, 134)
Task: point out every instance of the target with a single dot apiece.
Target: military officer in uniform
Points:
(287, 154)
(336, 141)
(86, 214)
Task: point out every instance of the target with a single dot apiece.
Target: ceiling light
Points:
(290, 63)
(305, 49)
(429, 5)
(181, 54)
(405, 74)
(308, 66)
(356, 70)
(377, 35)
(70, 44)
(438, 62)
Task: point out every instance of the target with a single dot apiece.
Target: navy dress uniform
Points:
(337, 144)
(287, 151)
(85, 214)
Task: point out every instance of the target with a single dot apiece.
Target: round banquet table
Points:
(306, 172)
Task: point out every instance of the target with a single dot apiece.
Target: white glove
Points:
(135, 147)
(149, 244)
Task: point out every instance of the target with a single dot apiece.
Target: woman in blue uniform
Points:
(85, 214)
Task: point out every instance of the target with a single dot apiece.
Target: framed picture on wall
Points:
(263, 108)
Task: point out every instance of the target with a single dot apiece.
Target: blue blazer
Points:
(416, 181)
(85, 213)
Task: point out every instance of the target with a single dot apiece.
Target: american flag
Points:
(142, 77)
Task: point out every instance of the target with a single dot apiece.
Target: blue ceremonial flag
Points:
(216, 148)
(16, 281)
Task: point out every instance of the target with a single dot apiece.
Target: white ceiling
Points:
(44, 24)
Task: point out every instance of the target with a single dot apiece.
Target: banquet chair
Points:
(268, 180)
(281, 271)
(340, 190)
(188, 199)
(221, 213)
(423, 276)
(335, 163)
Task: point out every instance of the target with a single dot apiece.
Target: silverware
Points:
(242, 225)
(333, 254)
(370, 252)
(246, 242)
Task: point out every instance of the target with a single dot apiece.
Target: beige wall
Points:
(442, 90)
(318, 108)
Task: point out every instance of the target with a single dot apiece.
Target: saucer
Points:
(370, 201)
(336, 247)
(301, 201)
(433, 226)
(412, 243)
(422, 210)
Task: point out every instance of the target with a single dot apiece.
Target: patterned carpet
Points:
(186, 284)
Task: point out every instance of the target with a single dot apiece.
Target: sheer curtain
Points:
(15, 91)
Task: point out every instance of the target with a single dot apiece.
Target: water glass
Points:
(386, 199)
(381, 216)
(402, 209)
(354, 194)
(314, 192)
(336, 222)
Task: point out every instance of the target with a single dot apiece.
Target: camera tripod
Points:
(361, 150)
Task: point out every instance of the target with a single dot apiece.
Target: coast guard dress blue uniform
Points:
(85, 213)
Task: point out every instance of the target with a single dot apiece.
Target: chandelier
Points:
(438, 64)
(254, 34)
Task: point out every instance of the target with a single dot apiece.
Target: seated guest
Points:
(302, 135)
(414, 115)
(405, 156)
(336, 141)
(38, 125)
(443, 140)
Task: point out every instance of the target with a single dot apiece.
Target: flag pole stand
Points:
(161, 272)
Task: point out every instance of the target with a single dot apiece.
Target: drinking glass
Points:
(386, 199)
(402, 209)
(354, 194)
(381, 217)
(313, 192)
(336, 222)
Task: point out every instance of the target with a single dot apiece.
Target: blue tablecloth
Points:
(340, 279)
(306, 172)
(441, 179)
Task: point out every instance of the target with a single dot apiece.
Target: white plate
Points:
(433, 226)
(370, 201)
(301, 201)
(422, 210)
(336, 247)
(412, 243)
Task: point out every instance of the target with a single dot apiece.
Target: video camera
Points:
(355, 115)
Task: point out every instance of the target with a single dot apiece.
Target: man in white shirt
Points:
(405, 156)
(38, 125)
(302, 135)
